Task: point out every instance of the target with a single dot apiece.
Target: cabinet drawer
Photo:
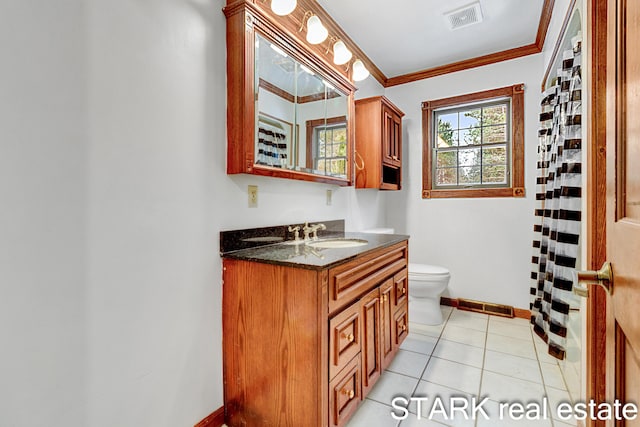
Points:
(401, 324)
(345, 393)
(344, 338)
(348, 281)
(401, 288)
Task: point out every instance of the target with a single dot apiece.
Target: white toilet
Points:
(426, 284)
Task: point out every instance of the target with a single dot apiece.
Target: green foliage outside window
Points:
(332, 150)
(471, 146)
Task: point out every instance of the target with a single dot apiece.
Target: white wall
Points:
(485, 243)
(114, 192)
(42, 212)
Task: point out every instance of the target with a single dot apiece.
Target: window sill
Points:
(473, 193)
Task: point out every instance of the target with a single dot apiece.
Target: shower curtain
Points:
(272, 146)
(558, 204)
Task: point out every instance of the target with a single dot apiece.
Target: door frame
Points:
(596, 312)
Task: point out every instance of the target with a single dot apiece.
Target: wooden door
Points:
(623, 202)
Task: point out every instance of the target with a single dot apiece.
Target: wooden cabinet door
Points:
(391, 137)
(401, 288)
(344, 338)
(400, 325)
(345, 394)
(397, 140)
(371, 311)
(386, 321)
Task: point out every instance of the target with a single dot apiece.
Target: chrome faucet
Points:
(312, 229)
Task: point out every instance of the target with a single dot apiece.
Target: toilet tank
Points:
(381, 230)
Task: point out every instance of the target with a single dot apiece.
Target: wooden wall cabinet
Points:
(378, 144)
(304, 347)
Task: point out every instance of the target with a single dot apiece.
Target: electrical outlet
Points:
(252, 191)
(329, 196)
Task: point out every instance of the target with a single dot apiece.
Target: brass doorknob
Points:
(602, 277)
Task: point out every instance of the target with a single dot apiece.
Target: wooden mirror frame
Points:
(244, 19)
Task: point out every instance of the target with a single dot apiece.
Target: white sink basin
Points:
(337, 243)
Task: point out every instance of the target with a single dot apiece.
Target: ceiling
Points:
(407, 37)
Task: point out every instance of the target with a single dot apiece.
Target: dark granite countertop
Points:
(303, 256)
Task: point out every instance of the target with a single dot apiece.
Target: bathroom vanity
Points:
(308, 328)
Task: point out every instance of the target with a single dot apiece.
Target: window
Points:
(473, 145)
(327, 140)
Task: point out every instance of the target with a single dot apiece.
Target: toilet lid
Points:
(426, 269)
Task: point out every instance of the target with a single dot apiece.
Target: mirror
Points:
(301, 118)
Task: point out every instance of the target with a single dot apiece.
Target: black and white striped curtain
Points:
(558, 204)
(272, 146)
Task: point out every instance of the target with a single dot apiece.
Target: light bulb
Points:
(341, 55)
(283, 7)
(316, 32)
(360, 72)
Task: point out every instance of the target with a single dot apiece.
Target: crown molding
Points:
(492, 58)
(479, 61)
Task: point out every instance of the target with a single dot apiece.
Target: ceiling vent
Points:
(464, 16)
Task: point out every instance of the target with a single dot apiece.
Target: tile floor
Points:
(469, 355)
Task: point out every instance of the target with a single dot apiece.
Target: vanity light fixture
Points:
(283, 7)
(341, 55)
(316, 32)
(359, 71)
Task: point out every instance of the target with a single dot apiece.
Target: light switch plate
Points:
(252, 191)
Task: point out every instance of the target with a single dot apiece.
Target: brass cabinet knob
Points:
(404, 291)
(349, 337)
(602, 277)
(349, 393)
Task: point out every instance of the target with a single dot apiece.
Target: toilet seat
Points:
(417, 271)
